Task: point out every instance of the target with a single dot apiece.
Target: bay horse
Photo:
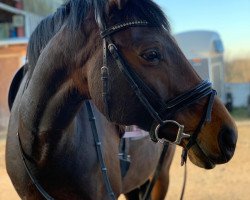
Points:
(120, 55)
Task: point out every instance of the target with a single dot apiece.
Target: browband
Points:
(118, 27)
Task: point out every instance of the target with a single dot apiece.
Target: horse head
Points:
(151, 54)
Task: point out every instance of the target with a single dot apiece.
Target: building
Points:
(18, 18)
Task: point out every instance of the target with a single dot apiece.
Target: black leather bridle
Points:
(159, 110)
(155, 106)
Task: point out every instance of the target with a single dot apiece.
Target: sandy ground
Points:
(226, 182)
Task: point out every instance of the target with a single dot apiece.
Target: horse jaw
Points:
(199, 158)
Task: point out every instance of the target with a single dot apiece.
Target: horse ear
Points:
(121, 4)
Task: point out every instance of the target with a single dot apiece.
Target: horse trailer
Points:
(204, 50)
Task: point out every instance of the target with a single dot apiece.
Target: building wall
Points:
(11, 58)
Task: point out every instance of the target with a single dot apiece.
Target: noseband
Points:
(159, 110)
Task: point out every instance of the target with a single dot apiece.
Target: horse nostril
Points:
(227, 142)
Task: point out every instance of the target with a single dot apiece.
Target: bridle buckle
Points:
(179, 136)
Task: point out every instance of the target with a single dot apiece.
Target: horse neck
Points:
(58, 85)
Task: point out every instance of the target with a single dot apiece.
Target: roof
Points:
(199, 43)
(12, 9)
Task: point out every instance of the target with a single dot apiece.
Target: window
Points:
(218, 46)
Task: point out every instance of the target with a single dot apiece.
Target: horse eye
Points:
(151, 56)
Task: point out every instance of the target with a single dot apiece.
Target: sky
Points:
(230, 18)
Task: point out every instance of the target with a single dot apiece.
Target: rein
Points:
(99, 155)
(99, 151)
(32, 178)
(103, 167)
(150, 187)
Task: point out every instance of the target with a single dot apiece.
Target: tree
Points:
(238, 71)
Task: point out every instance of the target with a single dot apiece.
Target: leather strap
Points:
(33, 179)
(157, 172)
(105, 81)
(99, 155)
(205, 118)
(118, 27)
(184, 182)
(99, 151)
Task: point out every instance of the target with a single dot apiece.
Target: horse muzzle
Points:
(203, 157)
(227, 139)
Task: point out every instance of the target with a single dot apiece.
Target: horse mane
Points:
(75, 11)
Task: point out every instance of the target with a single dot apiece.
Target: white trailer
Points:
(204, 50)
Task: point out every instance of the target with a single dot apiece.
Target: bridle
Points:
(155, 106)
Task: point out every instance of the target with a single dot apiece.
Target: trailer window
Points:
(218, 46)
